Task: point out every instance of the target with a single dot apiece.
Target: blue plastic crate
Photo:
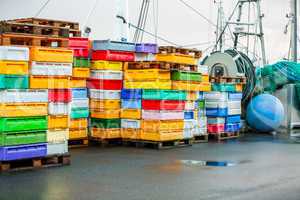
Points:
(146, 48)
(233, 119)
(131, 94)
(232, 127)
(23, 151)
(201, 96)
(201, 112)
(189, 115)
(113, 45)
(235, 96)
(216, 112)
(132, 103)
(79, 93)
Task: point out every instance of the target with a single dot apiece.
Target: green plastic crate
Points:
(18, 124)
(186, 76)
(77, 113)
(105, 123)
(164, 94)
(23, 138)
(14, 82)
(81, 62)
(201, 104)
(223, 87)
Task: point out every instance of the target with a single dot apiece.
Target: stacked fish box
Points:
(79, 108)
(23, 112)
(51, 68)
(105, 85)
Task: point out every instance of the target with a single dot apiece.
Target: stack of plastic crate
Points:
(105, 85)
(79, 112)
(51, 68)
(23, 112)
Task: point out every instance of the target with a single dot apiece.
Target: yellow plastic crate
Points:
(192, 96)
(239, 87)
(131, 133)
(162, 125)
(205, 78)
(58, 122)
(161, 136)
(175, 58)
(81, 72)
(78, 133)
(105, 114)
(147, 74)
(155, 84)
(131, 113)
(102, 133)
(44, 54)
(191, 86)
(105, 104)
(107, 65)
(14, 67)
(46, 82)
(23, 109)
(78, 123)
(78, 83)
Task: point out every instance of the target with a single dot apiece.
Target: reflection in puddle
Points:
(208, 163)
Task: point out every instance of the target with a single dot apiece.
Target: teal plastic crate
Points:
(14, 82)
(12, 139)
(224, 87)
(77, 113)
(164, 94)
(19, 124)
(186, 76)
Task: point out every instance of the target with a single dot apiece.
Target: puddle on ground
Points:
(208, 163)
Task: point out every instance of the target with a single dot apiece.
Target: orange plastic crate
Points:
(102, 133)
(78, 83)
(44, 54)
(105, 104)
(81, 72)
(129, 133)
(161, 136)
(78, 133)
(78, 123)
(105, 114)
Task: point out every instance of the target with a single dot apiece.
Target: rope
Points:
(42, 8)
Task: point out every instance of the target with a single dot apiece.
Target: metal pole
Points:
(294, 10)
(262, 37)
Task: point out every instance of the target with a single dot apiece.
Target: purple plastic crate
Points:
(23, 151)
(146, 48)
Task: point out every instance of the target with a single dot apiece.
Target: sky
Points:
(177, 23)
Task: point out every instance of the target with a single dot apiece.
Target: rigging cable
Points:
(42, 8)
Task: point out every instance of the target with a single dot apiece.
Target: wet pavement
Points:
(262, 168)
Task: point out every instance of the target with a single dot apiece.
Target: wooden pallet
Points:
(200, 139)
(160, 65)
(225, 136)
(35, 163)
(105, 142)
(30, 40)
(158, 145)
(78, 143)
(224, 79)
(178, 50)
(33, 29)
(48, 22)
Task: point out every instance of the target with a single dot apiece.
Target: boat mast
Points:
(121, 24)
(294, 31)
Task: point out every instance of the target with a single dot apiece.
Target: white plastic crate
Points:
(80, 103)
(55, 108)
(144, 57)
(200, 131)
(51, 69)
(203, 69)
(234, 104)
(237, 111)
(130, 123)
(57, 136)
(188, 133)
(105, 94)
(57, 148)
(162, 115)
(107, 74)
(14, 53)
(216, 104)
(202, 122)
(218, 96)
(216, 120)
(190, 123)
(189, 105)
(24, 96)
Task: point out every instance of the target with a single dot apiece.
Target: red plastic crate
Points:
(78, 42)
(81, 53)
(101, 84)
(59, 95)
(113, 55)
(215, 128)
(163, 105)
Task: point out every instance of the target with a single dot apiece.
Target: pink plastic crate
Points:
(215, 128)
(79, 42)
(81, 53)
(162, 115)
